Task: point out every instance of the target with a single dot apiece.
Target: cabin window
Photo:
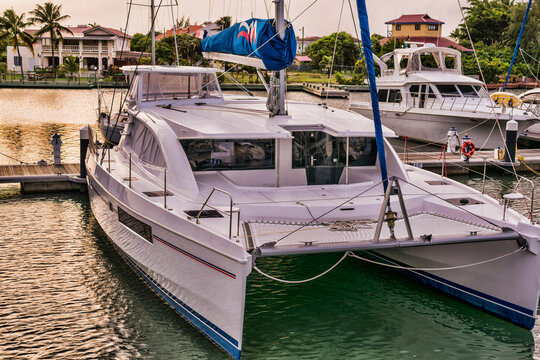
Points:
(383, 95)
(431, 93)
(481, 91)
(447, 90)
(230, 154)
(467, 90)
(394, 96)
(142, 229)
(414, 89)
(317, 148)
(145, 145)
(174, 86)
(433, 27)
(132, 95)
(450, 62)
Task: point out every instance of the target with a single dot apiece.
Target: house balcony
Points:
(74, 49)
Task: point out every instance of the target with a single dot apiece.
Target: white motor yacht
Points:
(202, 185)
(423, 93)
(531, 102)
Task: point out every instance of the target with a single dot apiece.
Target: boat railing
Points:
(230, 213)
(449, 102)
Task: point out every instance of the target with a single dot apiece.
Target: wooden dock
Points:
(44, 178)
(433, 161)
(323, 91)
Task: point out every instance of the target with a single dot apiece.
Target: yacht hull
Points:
(433, 126)
(507, 287)
(205, 287)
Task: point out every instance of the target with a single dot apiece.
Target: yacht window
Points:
(481, 91)
(431, 93)
(414, 89)
(383, 95)
(467, 90)
(450, 62)
(394, 96)
(131, 97)
(447, 90)
(144, 230)
(230, 154)
(317, 148)
(173, 86)
(145, 145)
(429, 61)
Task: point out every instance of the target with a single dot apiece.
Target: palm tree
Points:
(50, 16)
(12, 30)
(70, 65)
(94, 24)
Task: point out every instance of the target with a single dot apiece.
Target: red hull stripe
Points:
(225, 272)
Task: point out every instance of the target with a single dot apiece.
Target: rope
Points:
(406, 150)
(443, 156)
(527, 64)
(12, 158)
(351, 254)
(522, 160)
(335, 47)
(301, 281)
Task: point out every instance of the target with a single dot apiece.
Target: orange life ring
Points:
(468, 148)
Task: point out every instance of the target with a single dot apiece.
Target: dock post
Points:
(84, 140)
(56, 142)
(510, 142)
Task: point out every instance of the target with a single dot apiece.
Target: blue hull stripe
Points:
(514, 313)
(220, 337)
(188, 254)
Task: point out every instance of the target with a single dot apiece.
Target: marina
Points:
(273, 225)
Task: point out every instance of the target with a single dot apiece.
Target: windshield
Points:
(175, 86)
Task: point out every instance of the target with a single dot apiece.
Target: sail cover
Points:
(255, 38)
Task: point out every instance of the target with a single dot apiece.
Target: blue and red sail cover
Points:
(255, 38)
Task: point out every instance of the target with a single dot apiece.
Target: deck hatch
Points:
(204, 213)
(464, 201)
(156, 193)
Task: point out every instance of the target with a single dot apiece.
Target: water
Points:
(66, 293)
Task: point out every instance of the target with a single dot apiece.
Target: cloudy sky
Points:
(322, 18)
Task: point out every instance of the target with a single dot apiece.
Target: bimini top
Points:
(418, 59)
(168, 69)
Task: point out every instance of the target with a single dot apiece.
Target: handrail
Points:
(531, 216)
(230, 211)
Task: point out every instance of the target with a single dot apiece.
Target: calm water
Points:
(65, 292)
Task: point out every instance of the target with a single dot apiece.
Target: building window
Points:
(398, 27)
(433, 27)
(416, 26)
(17, 61)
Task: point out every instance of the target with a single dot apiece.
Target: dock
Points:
(324, 91)
(44, 178)
(435, 162)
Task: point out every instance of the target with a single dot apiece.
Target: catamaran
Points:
(202, 185)
(423, 93)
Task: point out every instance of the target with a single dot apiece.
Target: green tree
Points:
(189, 50)
(50, 16)
(487, 21)
(12, 31)
(70, 65)
(224, 22)
(347, 51)
(531, 38)
(141, 42)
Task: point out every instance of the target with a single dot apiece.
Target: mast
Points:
(517, 45)
(280, 28)
(368, 55)
(153, 32)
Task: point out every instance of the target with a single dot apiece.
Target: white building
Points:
(96, 48)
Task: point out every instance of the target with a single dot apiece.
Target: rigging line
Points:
(335, 47)
(529, 55)
(527, 64)
(175, 40)
(267, 10)
(326, 213)
(352, 254)
(12, 158)
(301, 281)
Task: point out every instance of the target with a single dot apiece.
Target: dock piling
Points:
(84, 140)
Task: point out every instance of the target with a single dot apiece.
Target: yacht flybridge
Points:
(423, 93)
(202, 185)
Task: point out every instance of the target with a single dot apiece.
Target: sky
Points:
(319, 20)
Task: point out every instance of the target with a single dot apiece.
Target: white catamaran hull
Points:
(431, 126)
(506, 287)
(203, 285)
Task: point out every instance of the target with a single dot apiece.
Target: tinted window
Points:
(448, 90)
(144, 230)
(414, 90)
(383, 95)
(394, 96)
(229, 154)
(467, 90)
(431, 93)
(145, 145)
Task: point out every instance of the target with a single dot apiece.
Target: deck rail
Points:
(230, 214)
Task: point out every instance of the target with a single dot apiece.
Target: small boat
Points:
(423, 93)
(203, 185)
(530, 101)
